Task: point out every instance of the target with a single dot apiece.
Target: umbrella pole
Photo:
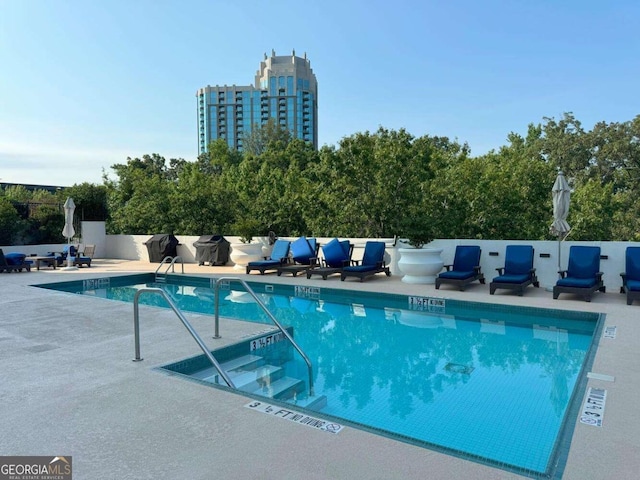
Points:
(69, 261)
(559, 253)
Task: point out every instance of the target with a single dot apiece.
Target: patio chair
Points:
(61, 257)
(303, 252)
(73, 252)
(465, 268)
(278, 257)
(80, 260)
(336, 255)
(583, 276)
(372, 263)
(631, 275)
(518, 271)
(89, 251)
(13, 262)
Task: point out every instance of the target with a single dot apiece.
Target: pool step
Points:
(314, 402)
(246, 362)
(251, 373)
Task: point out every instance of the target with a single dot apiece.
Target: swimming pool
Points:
(488, 382)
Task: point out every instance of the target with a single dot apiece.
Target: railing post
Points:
(185, 322)
(136, 327)
(216, 310)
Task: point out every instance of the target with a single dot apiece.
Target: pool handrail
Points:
(171, 264)
(185, 322)
(267, 312)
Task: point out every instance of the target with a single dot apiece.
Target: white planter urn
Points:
(243, 253)
(420, 265)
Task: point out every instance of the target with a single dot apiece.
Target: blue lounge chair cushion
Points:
(584, 262)
(280, 250)
(373, 254)
(467, 257)
(14, 258)
(264, 263)
(360, 268)
(632, 264)
(576, 282)
(278, 253)
(458, 275)
(633, 285)
(336, 253)
(512, 278)
(518, 260)
(302, 251)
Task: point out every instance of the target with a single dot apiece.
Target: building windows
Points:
(284, 90)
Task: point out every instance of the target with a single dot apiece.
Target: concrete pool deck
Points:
(69, 387)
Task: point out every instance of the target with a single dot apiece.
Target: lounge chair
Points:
(13, 262)
(77, 258)
(336, 255)
(583, 276)
(465, 268)
(89, 251)
(278, 257)
(518, 271)
(303, 252)
(631, 275)
(372, 263)
(80, 260)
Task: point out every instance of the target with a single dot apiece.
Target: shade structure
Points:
(561, 194)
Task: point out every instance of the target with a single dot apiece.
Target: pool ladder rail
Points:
(185, 322)
(161, 277)
(198, 339)
(267, 312)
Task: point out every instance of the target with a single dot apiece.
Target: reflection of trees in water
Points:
(555, 358)
(376, 358)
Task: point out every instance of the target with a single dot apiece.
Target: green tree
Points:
(90, 200)
(10, 223)
(591, 215)
(259, 138)
(139, 200)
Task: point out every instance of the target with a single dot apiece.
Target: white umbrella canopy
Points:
(68, 230)
(69, 207)
(561, 199)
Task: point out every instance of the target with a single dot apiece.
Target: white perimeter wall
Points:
(131, 247)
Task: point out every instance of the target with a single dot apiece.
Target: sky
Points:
(84, 84)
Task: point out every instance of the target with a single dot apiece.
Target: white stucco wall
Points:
(131, 247)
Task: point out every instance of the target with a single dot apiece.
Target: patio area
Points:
(69, 387)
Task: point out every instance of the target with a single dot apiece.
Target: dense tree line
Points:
(390, 183)
(383, 184)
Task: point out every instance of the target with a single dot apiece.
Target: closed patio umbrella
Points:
(68, 230)
(561, 198)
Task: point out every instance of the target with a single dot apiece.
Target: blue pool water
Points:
(491, 382)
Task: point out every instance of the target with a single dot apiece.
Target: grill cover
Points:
(160, 246)
(213, 249)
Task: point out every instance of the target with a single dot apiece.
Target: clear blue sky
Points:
(84, 84)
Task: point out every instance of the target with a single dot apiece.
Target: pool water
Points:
(490, 382)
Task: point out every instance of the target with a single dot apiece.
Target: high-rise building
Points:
(285, 90)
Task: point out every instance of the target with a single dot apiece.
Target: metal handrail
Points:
(185, 322)
(269, 314)
(171, 265)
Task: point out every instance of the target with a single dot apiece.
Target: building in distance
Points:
(285, 90)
